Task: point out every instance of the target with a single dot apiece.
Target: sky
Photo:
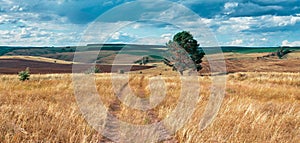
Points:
(233, 22)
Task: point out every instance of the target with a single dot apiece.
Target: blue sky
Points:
(236, 23)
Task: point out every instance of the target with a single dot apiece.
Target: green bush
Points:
(93, 70)
(24, 75)
(121, 71)
(282, 52)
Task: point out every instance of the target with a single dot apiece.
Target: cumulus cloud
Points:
(237, 42)
(116, 36)
(264, 39)
(7, 19)
(287, 43)
(229, 7)
(167, 36)
(17, 8)
(280, 20)
(58, 22)
(254, 25)
(151, 41)
(25, 33)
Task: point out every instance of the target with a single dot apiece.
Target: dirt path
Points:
(112, 126)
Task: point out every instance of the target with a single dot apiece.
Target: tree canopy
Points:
(184, 45)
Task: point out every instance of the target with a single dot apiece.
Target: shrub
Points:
(121, 71)
(97, 70)
(24, 75)
(143, 61)
(93, 70)
(241, 76)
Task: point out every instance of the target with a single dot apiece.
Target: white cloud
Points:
(52, 23)
(167, 36)
(125, 34)
(232, 28)
(7, 19)
(16, 8)
(25, 33)
(41, 35)
(151, 41)
(287, 43)
(136, 26)
(271, 21)
(108, 3)
(4, 32)
(229, 7)
(237, 42)
(235, 24)
(8, 1)
(116, 36)
(264, 39)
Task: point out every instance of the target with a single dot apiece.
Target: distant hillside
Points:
(248, 50)
(109, 51)
(38, 51)
(107, 54)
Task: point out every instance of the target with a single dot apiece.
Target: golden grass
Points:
(258, 107)
(294, 55)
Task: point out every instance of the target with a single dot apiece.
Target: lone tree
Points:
(183, 48)
(282, 52)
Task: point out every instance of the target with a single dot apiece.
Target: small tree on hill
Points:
(24, 75)
(282, 52)
(93, 69)
(144, 61)
(181, 49)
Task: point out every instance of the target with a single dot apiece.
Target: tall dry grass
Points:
(258, 107)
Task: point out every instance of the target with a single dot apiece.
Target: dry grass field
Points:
(258, 107)
(35, 58)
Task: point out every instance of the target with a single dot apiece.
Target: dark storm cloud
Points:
(259, 8)
(214, 8)
(76, 11)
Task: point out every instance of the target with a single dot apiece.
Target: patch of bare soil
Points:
(13, 66)
(258, 65)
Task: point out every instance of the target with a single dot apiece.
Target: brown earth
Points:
(13, 66)
(234, 64)
(257, 65)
